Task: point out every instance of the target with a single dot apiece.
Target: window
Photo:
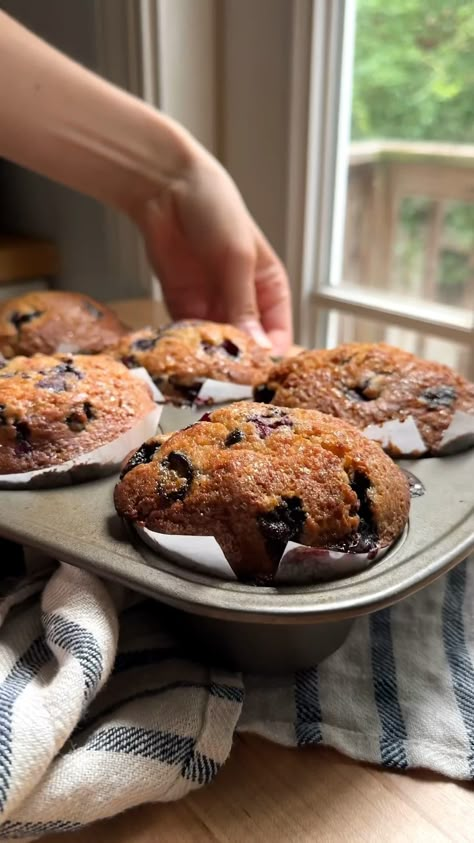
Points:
(393, 255)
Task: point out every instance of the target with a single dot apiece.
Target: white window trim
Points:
(450, 323)
(322, 38)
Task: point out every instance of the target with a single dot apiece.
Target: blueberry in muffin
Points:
(181, 356)
(56, 408)
(372, 384)
(256, 477)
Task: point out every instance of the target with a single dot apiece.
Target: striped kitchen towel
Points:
(100, 709)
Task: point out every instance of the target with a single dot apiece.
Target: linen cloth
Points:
(101, 710)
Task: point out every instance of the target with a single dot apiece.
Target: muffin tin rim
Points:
(99, 542)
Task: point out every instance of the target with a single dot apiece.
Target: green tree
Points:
(414, 70)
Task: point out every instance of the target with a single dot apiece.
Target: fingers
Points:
(226, 272)
(238, 294)
(257, 295)
(253, 327)
(273, 297)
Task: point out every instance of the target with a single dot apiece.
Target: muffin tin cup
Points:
(255, 648)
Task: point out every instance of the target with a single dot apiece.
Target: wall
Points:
(254, 68)
(188, 88)
(225, 74)
(33, 205)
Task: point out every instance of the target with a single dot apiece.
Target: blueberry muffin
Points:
(53, 409)
(369, 384)
(256, 477)
(180, 356)
(50, 322)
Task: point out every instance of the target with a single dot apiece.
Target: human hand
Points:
(212, 260)
(65, 122)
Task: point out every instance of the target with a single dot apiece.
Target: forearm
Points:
(65, 122)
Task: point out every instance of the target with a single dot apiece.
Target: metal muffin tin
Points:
(240, 626)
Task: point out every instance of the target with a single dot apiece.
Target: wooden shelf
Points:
(23, 258)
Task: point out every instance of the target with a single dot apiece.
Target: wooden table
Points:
(269, 794)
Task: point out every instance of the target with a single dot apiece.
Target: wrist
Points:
(163, 155)
(70, 125)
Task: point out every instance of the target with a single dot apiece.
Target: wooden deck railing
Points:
(382, 174)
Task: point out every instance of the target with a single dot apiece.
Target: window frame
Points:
(323, 288)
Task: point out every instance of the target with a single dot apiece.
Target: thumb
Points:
(239, 298)
(253, 327)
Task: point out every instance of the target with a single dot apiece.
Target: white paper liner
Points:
(67, 348)
(199, 553)
(401, 435)
(406, 438)
(213, 394)
(459, 435)
(101, 461)
(220, 392)
(299, 564)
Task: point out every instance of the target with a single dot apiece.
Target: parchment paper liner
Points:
(405, 437)
(299, 563)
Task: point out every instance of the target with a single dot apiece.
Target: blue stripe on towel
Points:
(16, 830)
(457, 653)
(167, 747)
(199, 768)
(80, 643)
(227, 692)
(393, 734)
(22, 672)
(308, 709)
